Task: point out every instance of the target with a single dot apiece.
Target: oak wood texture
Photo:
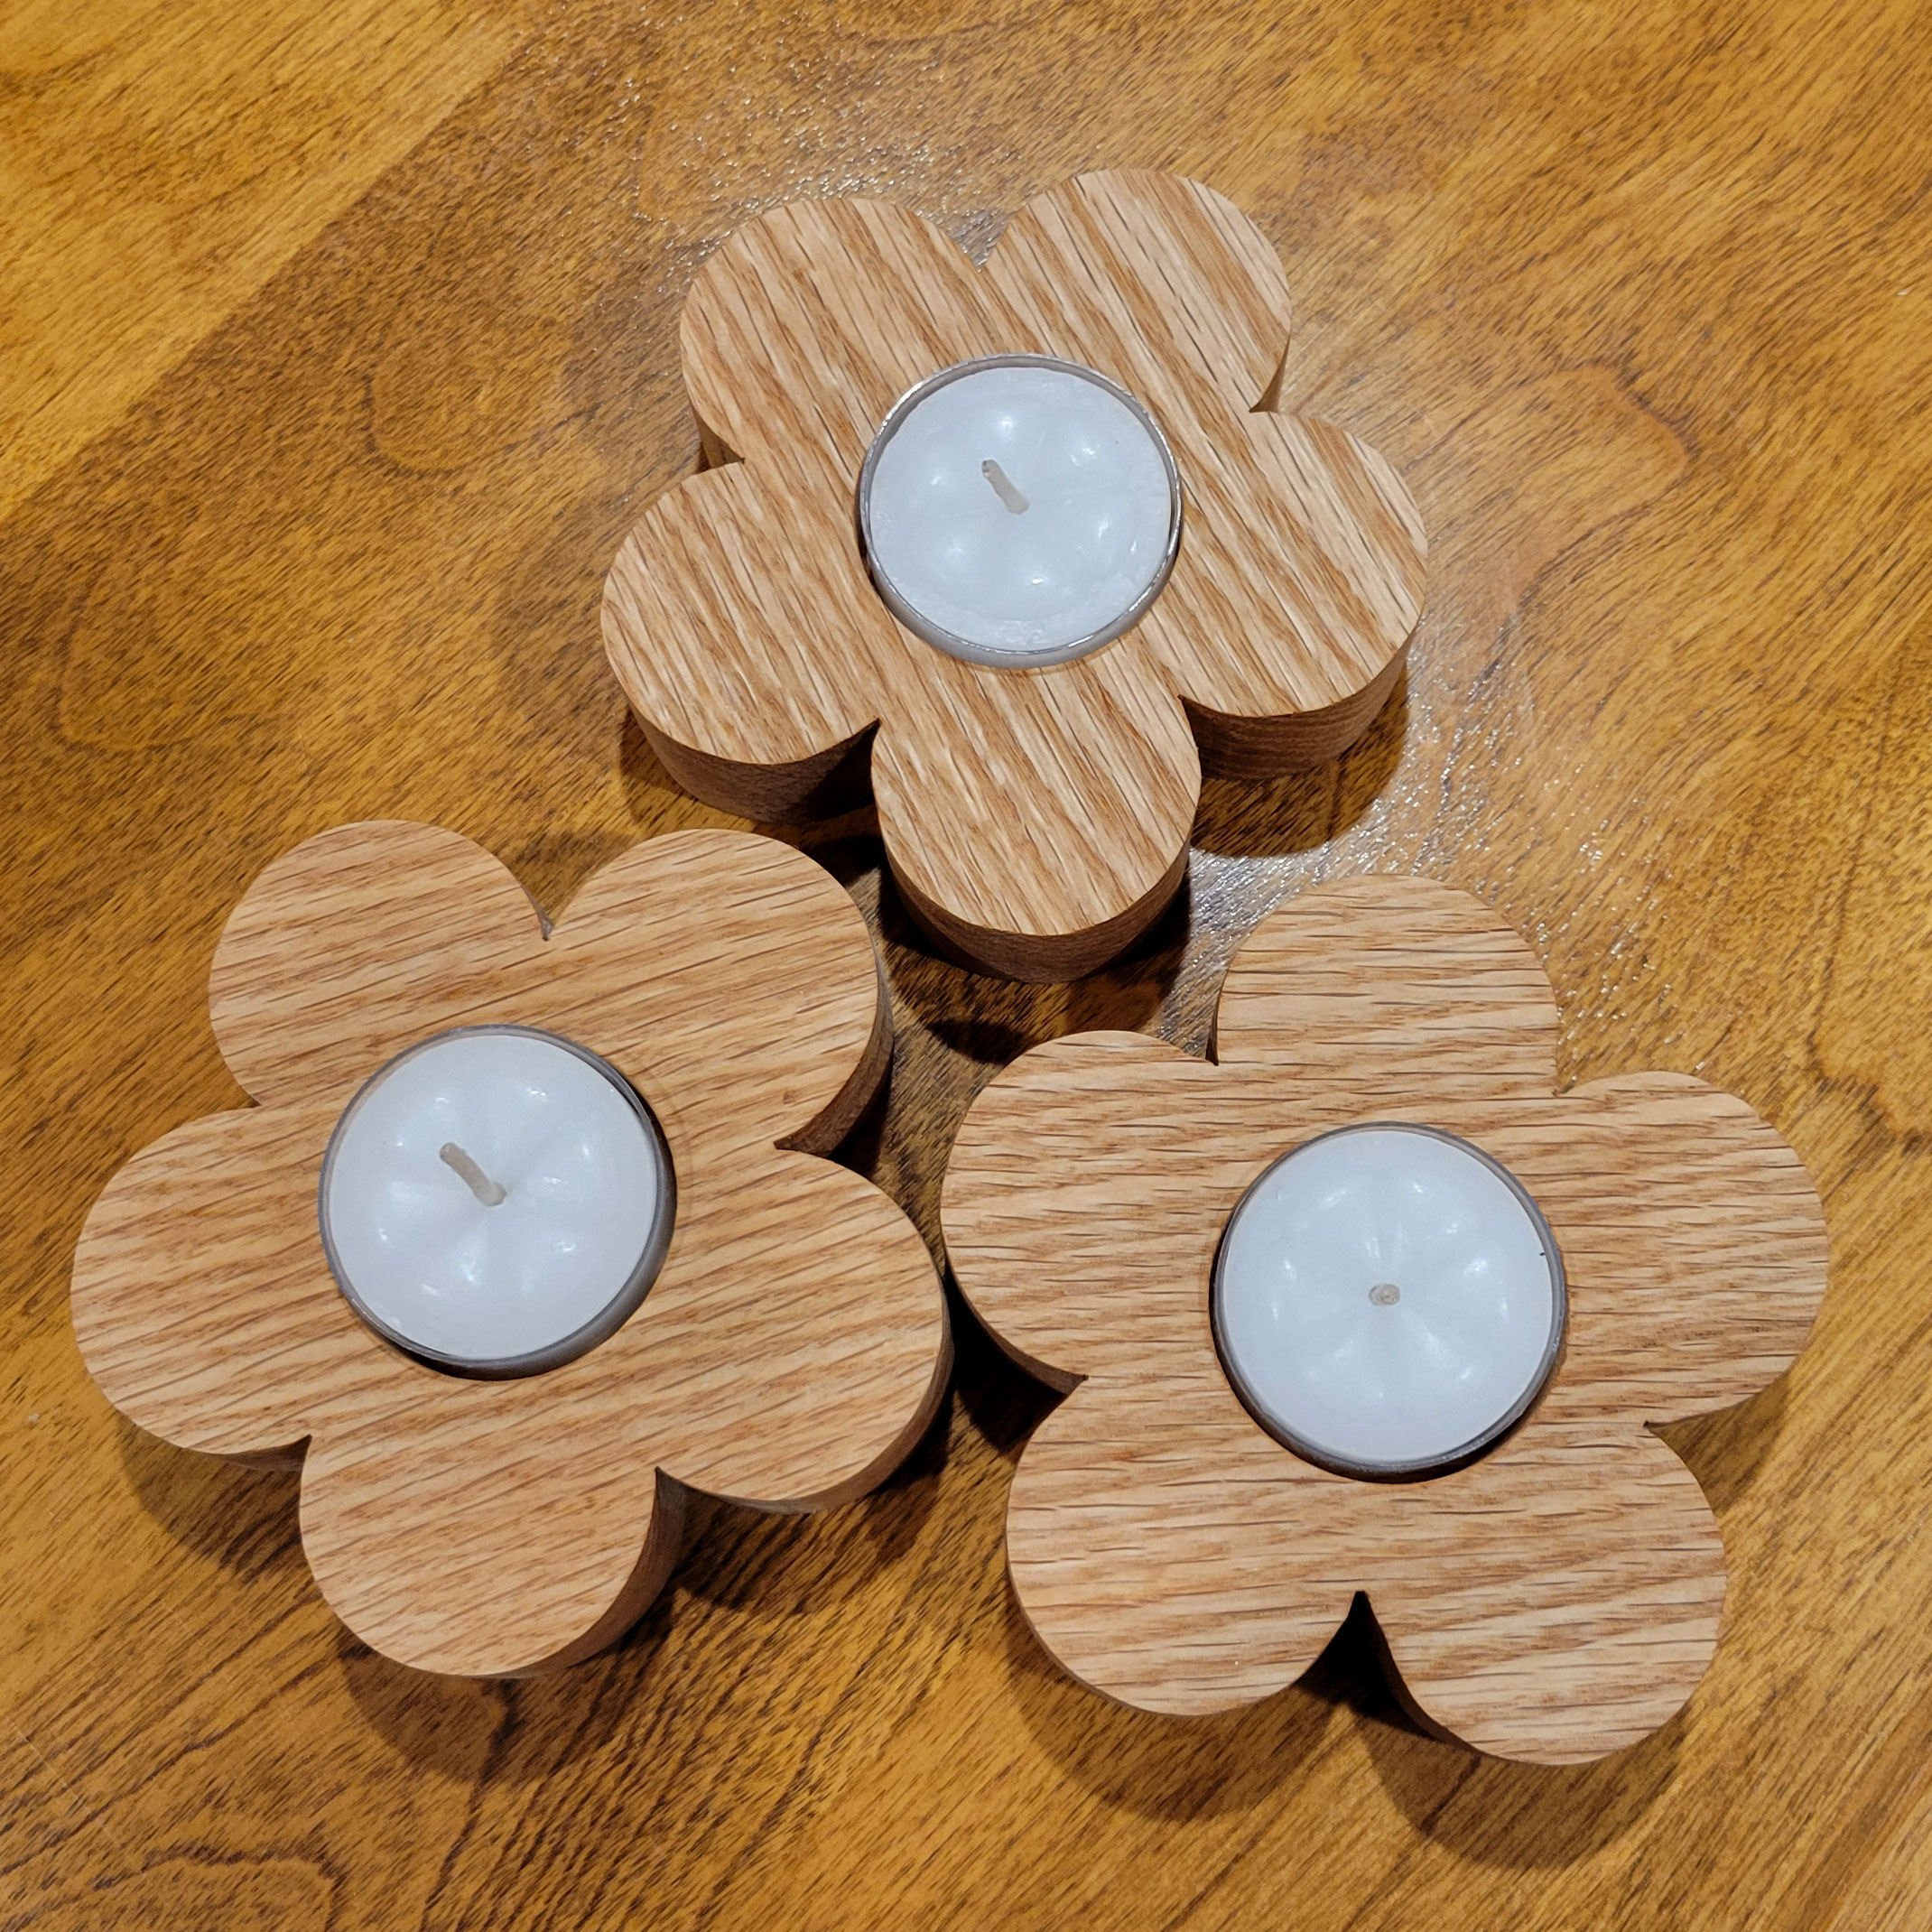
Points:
(1035, 820)
(1633, 298)
(791, 1350)
(1555, 1599)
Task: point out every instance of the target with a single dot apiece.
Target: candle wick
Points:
(1003, 485)
(1385, 1295)
(479, 1184)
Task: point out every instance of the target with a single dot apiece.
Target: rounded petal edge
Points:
(733, 979)
(357, 942)
(490, 1530)
(797, 1347)
(1038, 822)
(738, 621)
(1154, 280)
(1399, 989)
(1702, 1264)
(1288, 621)
(202, 1300)
(812, 319)
(1168, 1554)
(1556, 1601)
(1084, 1197)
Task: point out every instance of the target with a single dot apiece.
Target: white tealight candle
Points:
(1387, 1300)
(1019, 510)
(496, 1200)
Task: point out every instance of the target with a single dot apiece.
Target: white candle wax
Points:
(496, 1200)
(1019, 510)
(1387, 1300)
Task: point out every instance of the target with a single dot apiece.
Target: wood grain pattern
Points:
(251, 134)
(791, 1351)
(1634, 298)
(1035, 820)
(1554, 1601)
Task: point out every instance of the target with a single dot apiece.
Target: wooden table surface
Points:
(337, 354)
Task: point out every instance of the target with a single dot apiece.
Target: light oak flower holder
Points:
(1557, 1598)
(789, 1353)
(1035, 820)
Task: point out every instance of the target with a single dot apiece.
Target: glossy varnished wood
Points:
(1638, 301)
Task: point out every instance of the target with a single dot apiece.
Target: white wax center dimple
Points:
(1020, 509)
(1387, 1300)
(496, 1199)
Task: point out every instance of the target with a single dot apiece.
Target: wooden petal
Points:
(1286, 620)
(1301, 575)
(733, 979)
(1556, 1601)
(1400, 993)
(713, 964)
(1169, 1554)
(1038, 822)
(202, 1300)
(739, 618)
(1085, 1196)
(359, 941)
(810, 322)
(1697, 1274)
(489, 1529)
(1154, 280)
(797, 1346)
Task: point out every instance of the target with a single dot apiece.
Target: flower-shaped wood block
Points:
(1036, 819)
(788, 1355)
(1554, 1599)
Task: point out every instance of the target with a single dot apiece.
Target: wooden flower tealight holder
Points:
(713, 994)
(1186, 1531)
(883, 543)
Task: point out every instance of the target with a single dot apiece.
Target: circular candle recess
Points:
(1388, 1301)
(1019, 510)
(496, 1200)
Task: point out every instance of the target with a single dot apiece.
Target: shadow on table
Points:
(1498, 1812)
(982, 1015)
(770, 1568)
(1174, 1768)
(453, 1726)
(1004, 1403)
(765, 1569)
(992, 1019)
(240, 1515)
(1484, 1808)
(1725, 1449)
(1274, 818)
